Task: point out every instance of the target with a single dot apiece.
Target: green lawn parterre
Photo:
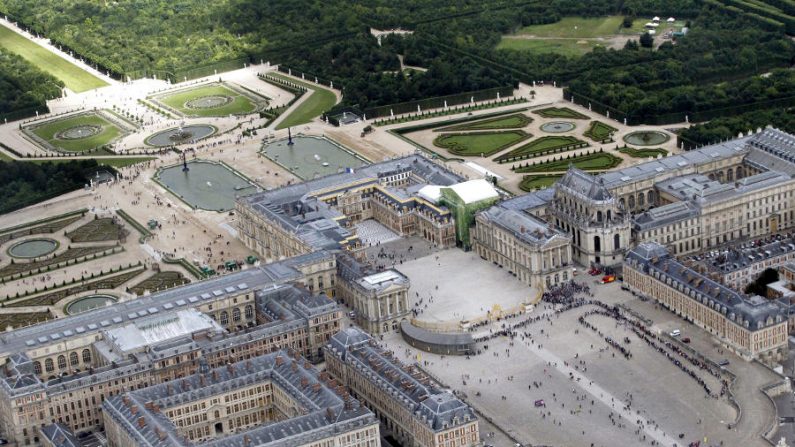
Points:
(49, 130)
(320, 100)
(533, 182)
(514, 121)
(561, 112)
(565, 47)
(543, 145)
(643, 153)
(74, 77)
(599, 131)
(591, 162)
(476, 143)
(240, 105)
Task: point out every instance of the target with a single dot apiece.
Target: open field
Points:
(53, 132)
(583, 27)
(479, 143)
(544, 145)
(599, 131)
(75, 78)
(213, 100)
(514, 121)
(318, 101)
(566, 47)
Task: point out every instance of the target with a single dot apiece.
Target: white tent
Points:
(655, 25)
(671, 20)
(655, 19)
(649, 25)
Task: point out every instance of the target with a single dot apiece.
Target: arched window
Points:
(598, 216)
(622, 203)
(631, 202)
(597, 244)
(641, 199)
(86, 356)
(37, 367)
(740, 173)
(236, 314)
(61, 362)
(249, 312)
(730, 175)
(651, 198)
(224, 318)
(74, 360)
(48, 365)
(609, 216)
(616, 242)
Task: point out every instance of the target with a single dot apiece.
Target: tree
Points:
(646, 40)
(627, 22)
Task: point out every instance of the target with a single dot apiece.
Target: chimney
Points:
(246, 440)
(316, 387)
(304, 381)
(134, 409)
(141, 422)
(294, 367)
(279, 360)
(215, 375)
(230, 368)
(148, 405)
(329, 413)
(307, 365)
(126, 400)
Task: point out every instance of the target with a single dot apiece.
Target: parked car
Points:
(724, 362)
(607, 279)
(540, 403)
(675, 333)
(686, 340)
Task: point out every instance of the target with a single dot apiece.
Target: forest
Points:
(713, 67)
(23, 183)
(24, 87)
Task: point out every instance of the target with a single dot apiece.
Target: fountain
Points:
(309, 156)
(181, 135)
(289, 137)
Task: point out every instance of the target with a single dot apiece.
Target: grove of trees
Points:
(23, 86)
(24, 183)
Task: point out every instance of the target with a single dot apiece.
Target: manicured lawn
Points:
(159, 281)
(477, 143)
(75, 78)
(591, 162)
(48, 131)
(643, 153)
(239, 105)
(579, 27)
(514, 121)
(599, 131)
(549, 144)
(319, 101)
(566, 47)
(561, 112)
(533, 182)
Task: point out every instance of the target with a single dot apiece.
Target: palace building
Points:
(410, 407)
(276, 399)
(61, 371)
(753, 327)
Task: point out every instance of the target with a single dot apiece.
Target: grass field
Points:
(514, 121)
(566, 47)
(477, 143)
(561, 112)
(319, 100)
(533, 182)
(240, 104)
(599, 131)
(591, 162)
(544, 145)
(583, 27)
(643, 153)
(48, 131)
(75, 78)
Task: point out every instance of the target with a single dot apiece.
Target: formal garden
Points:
(99, 230)
(543, 146)
(561, 112)
(643, 153)
(479, 143)
(82, 132)
(95, 281)
(159, 281)
(217, 99)
(71, 255)
(597, 161)
(513, 121)
(16, 320)
(533, 182)
(599, 131)
(320, 100)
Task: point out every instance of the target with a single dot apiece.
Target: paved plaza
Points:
(593, 395)
(372, 232)
(453, 285)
